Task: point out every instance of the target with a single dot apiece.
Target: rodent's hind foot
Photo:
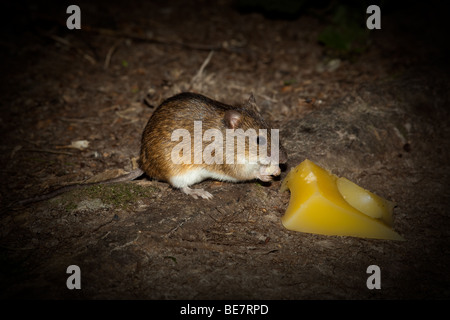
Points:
(195, 193)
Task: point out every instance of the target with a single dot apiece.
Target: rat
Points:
(180, 112)
(183, 111)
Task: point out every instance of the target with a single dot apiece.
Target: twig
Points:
(88, 120)
(178, 226)
(48, 151)
(128, 243)
(13, 152)
(202, 67)
(113, 33)
(134, 36)
(68, 44)
(268, 98)
(18, 249)
(110, 53)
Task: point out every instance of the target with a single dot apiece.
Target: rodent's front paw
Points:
(266, 172)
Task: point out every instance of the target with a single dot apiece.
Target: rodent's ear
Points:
(232, 119)
(251, 103)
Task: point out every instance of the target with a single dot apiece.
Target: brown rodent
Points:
(180, 112)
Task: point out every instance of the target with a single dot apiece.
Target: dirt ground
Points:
(378, 116)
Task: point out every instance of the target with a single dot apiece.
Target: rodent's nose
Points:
(266, 173)
(277, 171)
(274, 170)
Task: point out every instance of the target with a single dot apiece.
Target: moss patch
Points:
(119, 195)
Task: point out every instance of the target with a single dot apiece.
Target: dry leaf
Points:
(80, 144)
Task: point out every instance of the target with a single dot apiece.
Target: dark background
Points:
(368, 105)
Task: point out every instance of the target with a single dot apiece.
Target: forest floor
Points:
(378, 116)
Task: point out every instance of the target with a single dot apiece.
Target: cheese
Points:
(322, 203)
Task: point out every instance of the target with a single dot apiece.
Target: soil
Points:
(378, 117)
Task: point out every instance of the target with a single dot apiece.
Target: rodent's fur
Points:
(180, 112)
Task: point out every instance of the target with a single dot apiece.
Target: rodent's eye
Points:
(260, 140)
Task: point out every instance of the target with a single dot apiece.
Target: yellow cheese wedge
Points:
(322, 203)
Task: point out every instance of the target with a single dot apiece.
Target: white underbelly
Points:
(196, 175)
